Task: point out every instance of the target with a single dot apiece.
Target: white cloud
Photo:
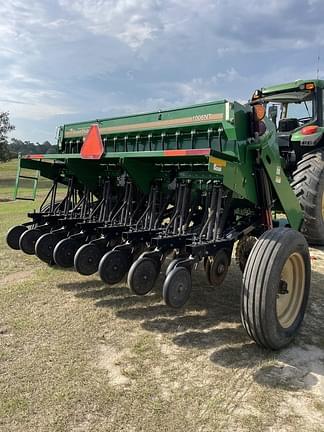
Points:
(83, 58)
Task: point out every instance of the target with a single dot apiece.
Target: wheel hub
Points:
(291, 290)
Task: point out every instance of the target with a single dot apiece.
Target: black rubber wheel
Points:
(113, 267)
(65, 251)
(308, 184)
(14, 234)
(243, 250)
(87, 259)
(275, 287)
(44, 247)
(28, 240)
(177, 287)
(217, 268)
(142, 275)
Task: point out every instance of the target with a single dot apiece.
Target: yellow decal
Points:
(218, 162)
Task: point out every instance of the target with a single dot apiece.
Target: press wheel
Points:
(172, 264)
(177, 287)
(143, 275)
(28, 240)
(113, 266)
(65, 251)
(44, 247)
(14, 234)
(87, 259)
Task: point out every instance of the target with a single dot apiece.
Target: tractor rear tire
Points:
(275, 287)
(308, 184)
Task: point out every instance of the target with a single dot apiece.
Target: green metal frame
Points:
(200, 142)
(17, 181)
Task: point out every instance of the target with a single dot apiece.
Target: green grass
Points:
(76, 355)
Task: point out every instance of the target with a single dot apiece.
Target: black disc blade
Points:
(87, 259)
(113, 267)
(14, 234)
(217, 268)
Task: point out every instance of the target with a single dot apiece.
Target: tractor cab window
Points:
(291, 110)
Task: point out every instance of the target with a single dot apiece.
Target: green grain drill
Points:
(183, 187)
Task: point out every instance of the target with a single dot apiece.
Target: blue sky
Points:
(69, 60)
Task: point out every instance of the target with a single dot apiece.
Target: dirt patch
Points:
(16, 277)
(110, 359)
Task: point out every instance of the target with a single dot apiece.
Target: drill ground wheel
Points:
(87, 259)
(113, 267)
(28, 240)
(308, 185)
(217, 268)
(243, 250)
(177, 287)
(14, 234)
(44, 247)
(65, 251)
(143, 275)
(275, 287)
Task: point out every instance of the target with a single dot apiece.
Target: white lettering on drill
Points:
(201, 117)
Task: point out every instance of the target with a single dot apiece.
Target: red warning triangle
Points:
(92, 147)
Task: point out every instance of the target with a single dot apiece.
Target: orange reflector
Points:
(92, 147)
(309, 86)
(309, 130)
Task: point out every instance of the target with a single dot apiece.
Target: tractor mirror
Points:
(273, 112)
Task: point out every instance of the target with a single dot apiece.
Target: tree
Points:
(5, 127)
(26, 147)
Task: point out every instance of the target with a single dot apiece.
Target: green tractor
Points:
(182, 187)
(297, 110)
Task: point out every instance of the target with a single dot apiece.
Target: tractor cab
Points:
(297, 111)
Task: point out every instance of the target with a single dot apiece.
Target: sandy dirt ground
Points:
(76, 355)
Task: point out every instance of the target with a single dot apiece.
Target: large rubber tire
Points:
(279, 256)
(308, 184)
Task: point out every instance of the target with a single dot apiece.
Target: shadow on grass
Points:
(211, 320)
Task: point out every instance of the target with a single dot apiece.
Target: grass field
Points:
(76, 355)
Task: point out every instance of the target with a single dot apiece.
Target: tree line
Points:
(11, 149)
